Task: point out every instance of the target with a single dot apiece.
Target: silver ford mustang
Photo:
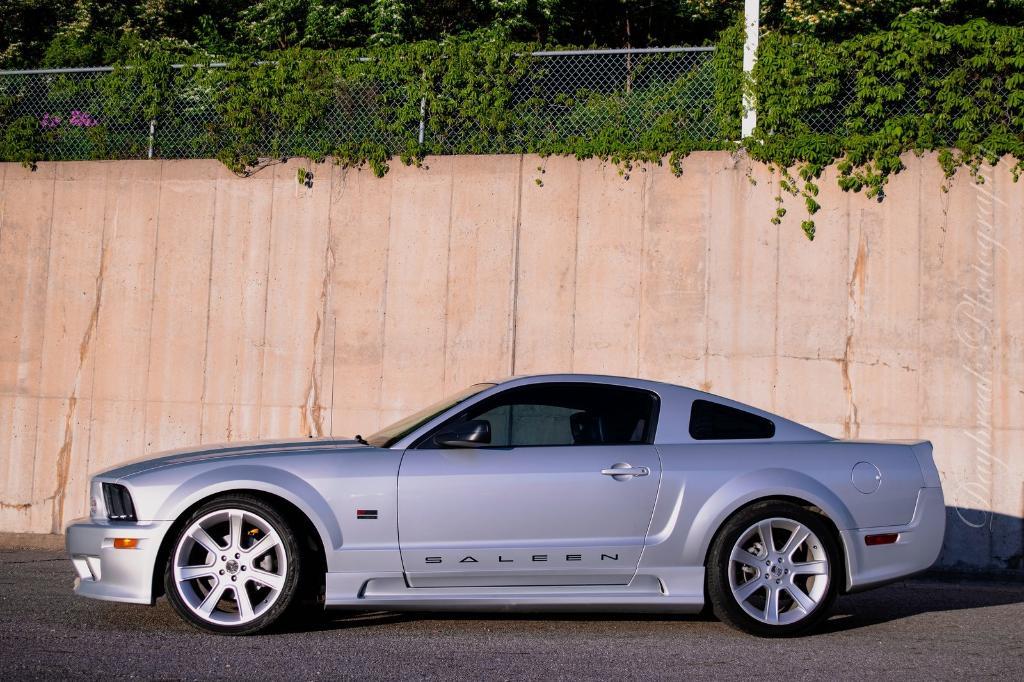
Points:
(559, 492)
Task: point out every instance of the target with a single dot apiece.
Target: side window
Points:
(563, 414)
(520, 425)
(714, 421)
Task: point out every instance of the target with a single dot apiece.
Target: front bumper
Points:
(104, 572)
(915, 550)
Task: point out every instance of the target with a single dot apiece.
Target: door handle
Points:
(621, 471)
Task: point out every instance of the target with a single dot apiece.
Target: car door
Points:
(541, 503)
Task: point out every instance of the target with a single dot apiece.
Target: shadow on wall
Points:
(982, 541)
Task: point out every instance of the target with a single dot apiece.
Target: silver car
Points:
(558, 492)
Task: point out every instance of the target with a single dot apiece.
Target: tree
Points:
(93, 32)
(279, 24)
(28, 26)
(392, 21)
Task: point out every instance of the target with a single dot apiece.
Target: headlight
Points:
(96, 510)
(118, 502)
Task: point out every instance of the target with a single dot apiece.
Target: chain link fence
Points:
(903, 99)
(563, 95)
(358, 111)
(569, 95)
(65, 102)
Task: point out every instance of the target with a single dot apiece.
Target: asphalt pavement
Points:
(922, 628)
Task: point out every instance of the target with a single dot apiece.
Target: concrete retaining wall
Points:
(151, 305)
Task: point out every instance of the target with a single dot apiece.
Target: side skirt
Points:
(645, 594)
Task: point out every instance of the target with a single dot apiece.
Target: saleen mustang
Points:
(559, 492)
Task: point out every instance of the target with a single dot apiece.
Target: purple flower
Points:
(82, 119)
(49, 121)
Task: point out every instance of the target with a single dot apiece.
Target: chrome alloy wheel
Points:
(778, 571)
(230, 566)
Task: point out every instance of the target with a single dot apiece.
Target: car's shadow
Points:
(344, 619)
(969, 534)
(931, 594)
(971, 537)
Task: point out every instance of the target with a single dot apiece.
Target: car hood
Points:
(221, 451)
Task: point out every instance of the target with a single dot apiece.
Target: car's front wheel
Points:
(772, 570)
(234, 566)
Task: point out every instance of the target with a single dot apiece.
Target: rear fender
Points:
(750, 487)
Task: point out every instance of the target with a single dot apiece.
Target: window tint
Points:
(713, 421)
(564, 414)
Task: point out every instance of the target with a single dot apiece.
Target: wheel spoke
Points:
(810, 568)
(235, 537)
(748, 588)
(203, 539)
(765, 529)
(795, 540)
(771, 606)
(264, 544)
(746, 558)
(271, 580)
(245, 611)
(802, 599)
(184, 573)
(212, 597)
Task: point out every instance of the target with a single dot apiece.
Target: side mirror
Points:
(468, 434)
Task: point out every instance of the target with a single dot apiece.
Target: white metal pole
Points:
(423, 118)
(751, 19)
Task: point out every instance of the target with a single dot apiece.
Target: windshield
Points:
(390, 435)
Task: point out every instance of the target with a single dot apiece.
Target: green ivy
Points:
(859, 104)
(862, 103)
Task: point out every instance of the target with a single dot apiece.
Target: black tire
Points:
(288, 597)
(724, 602)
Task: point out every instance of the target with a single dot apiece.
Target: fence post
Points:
(423, 118)
(751, 20)
(152, 134)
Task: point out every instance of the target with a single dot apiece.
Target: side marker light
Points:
(882, 539)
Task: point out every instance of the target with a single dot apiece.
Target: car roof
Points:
(526, 379)
(673, 425)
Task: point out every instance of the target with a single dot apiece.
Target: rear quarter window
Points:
(714, 421)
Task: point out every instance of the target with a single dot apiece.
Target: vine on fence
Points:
(860, 104)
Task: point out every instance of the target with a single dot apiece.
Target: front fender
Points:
(748, 487)
(252, 477)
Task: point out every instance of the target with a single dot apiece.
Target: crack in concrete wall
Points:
(851, 425)
(312, 421)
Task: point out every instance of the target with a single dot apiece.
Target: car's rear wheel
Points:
(234, 566)
(772, 570)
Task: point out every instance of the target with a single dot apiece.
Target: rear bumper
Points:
(103, 572)
(916, 549)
